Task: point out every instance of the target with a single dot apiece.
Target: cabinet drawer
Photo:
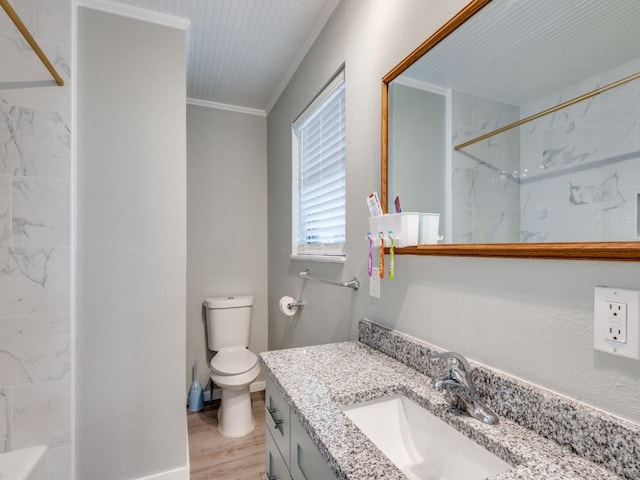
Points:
(277, 417)
(276, 468)
(306, 461)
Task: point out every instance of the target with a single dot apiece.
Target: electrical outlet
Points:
(617, 325)
(616, 317)
(374, 285)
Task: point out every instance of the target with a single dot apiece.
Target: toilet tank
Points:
(228, 321)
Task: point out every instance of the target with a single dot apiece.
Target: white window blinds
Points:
(319, 167)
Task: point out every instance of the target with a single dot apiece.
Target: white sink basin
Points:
(420, 444)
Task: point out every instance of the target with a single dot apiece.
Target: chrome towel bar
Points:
(354, 283)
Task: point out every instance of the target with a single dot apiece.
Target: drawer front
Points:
(306, 461)
(275, 466)
(278, 419)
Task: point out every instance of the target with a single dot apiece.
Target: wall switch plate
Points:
(374, 285)
(616, 326)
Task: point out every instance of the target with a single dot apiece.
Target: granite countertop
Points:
(317, 381)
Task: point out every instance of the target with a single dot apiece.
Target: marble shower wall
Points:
(485, 194)
(35, 220)
(581, 179)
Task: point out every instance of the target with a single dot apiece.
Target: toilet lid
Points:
(232, 361)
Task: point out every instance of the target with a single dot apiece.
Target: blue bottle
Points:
(196, 395)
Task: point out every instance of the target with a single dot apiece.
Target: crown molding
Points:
(226, 106)
(136, 13)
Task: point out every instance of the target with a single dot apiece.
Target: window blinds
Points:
(320, 147)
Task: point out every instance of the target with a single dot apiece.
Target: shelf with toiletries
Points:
(407, 229)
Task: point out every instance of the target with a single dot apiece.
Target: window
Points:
(319, 175)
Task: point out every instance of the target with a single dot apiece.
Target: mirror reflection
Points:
(570, 172)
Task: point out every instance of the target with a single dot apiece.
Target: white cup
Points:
(428, 233)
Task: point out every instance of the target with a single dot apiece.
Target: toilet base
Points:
(235, 418)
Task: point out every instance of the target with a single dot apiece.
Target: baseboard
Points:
(181, 473)
(216, 394)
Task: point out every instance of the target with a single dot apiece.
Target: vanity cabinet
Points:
(291, 453)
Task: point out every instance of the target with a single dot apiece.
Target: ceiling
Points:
(515, 51)
(242, 53)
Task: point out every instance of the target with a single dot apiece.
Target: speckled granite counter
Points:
(317, 381)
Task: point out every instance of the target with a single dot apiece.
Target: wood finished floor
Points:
(213, 456)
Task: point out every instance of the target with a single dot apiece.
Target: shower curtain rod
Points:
(555, 108)
(27, 36)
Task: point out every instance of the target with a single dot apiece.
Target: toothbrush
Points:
(370, 261)
(381, 267)
(391, 257)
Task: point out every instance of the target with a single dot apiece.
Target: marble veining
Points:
(34, 280)
(41, 211)
(20, 363)
(35, 170)
(316, 381)
(5, 425)
(34, 143)
(41, 413)
(5, 210)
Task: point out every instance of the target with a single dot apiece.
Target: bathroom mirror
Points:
(518, 122)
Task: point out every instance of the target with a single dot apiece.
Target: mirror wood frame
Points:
(629, 251)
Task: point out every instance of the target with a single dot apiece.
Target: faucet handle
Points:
(462, 362)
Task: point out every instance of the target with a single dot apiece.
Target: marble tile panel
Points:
(41, 415)
(54, 21)
(41, 211)
(572, 224)
(488, 115)
(27, 10)
(28, 83)
(570, 144)
(617, 126)
(21, 363)
(47, 20)
(5, 210)
(461, 109)
(34, 143)
(60, 463)
(34, 280)
(626, 93)
(5, 420)
(619, 224)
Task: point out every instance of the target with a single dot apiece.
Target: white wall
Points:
(131, 250)
(35, 236)
(530, 318)
(226, 222)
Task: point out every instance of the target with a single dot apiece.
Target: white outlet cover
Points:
(601, 297)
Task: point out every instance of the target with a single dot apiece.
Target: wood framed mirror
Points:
(551, 79)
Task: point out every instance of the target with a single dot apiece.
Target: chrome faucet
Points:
(460, 390)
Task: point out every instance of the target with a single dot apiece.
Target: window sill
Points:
(320, 258)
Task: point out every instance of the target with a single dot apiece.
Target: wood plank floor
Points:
(213, 456)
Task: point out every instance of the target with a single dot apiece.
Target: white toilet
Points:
(233, 367)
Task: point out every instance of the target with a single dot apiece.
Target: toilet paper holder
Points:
(295, 304)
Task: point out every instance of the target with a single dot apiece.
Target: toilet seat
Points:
(233, 361)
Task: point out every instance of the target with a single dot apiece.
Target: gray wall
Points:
(417, 154)
(131, 251)
(226, 222)
(35, 236)
(530, 318)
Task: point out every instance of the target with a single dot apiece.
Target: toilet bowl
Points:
(233, 367)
